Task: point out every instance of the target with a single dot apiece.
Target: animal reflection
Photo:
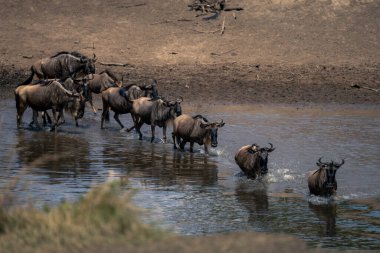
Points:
(57, 156)
(327, 215)
(254, 198)
(158, 166)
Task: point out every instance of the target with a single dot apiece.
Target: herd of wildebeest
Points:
(66, 81)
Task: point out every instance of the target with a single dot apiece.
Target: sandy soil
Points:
(279, 51)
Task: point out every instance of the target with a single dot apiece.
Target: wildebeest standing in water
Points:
(43, 97)
(155, 112)
(120, 100)
(62, 66)
(195, 129)
(322, 181)
(253, 160)
(100, 82)
(77, 86)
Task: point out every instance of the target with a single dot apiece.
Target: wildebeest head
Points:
(175, 107)
(330, 169)
(262, 154)
(150, 89)
(213, 128)
(89, 64)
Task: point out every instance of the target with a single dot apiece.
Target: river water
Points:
(199, 194)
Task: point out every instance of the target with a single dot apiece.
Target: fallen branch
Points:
(135, 5)
(364, 87)
(115, 64)
(205, 31)
(223, 27)
(171, 21)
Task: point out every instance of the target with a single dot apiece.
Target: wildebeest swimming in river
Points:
(62, 66)
(322, 181)
(120, 100)
(154, 112)
(100, 82)
(253, 160)
(195, 129)
(44, 96)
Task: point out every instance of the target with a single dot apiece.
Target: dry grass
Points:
(104, 216)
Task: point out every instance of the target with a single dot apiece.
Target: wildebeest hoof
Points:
(123, 130)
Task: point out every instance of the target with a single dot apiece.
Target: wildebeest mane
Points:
(198, 116)
(73, 53)
(160, 112)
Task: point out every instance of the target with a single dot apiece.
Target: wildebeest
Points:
(253, 160)
(322, 181)
(197, 129)
(120, 100)
(62, 66)
(154, 112)
(76, 85)
(44, 96)
(97, 83)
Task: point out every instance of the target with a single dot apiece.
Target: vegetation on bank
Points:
(102, 217)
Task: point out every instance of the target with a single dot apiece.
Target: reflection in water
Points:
(252, 194)
(200, 194)
(326, 213)
(57, 155)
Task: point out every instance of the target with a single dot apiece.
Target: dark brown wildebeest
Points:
(322, 181)
(120, 100)
(76, 85)
(97, 83)
(253, 160)
(154, 112)
(45, 96)
(62, 66)
(197, 129)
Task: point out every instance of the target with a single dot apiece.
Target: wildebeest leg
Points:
(46, 118)
(35, 119)
(133, 120)
(116, 117)
(173, 136)
(152, 127)
(138, 124)
(55, 123)
(105, 115)
(182, 144)
(21, 107)
(92, 105)
(191, 147)
(206, 149)
(164, 132)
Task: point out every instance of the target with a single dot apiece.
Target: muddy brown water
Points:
(199, 194)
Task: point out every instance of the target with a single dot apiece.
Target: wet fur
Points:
(316, 182)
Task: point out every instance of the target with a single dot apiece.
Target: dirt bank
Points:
(270, 52)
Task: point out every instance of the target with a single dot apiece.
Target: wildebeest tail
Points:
(29, 80)
(17, 98)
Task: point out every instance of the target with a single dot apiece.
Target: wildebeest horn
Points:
(221, 123)
(179, 99)
(271, 147)
(339, 164)
(319, 163)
